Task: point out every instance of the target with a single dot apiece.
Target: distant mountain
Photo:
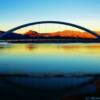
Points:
(98, 32)
(66, 36)
(13, 36)
(31, 33)
(65, 33)
(1, 32)
(62, 34)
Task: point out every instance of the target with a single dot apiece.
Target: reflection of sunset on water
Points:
(48, 49)
(66, 58)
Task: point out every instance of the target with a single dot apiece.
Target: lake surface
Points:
(50, 58)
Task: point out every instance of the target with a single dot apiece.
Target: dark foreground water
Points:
(52, 70)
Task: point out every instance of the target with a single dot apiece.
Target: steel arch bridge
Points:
(55, 22)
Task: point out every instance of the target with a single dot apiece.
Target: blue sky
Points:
(18, 12)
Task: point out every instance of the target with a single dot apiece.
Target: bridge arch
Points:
(56, 22)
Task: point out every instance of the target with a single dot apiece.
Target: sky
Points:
(17, 12)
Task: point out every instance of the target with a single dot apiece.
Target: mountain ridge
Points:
(65, 33)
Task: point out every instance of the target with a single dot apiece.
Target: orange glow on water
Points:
(52, 49)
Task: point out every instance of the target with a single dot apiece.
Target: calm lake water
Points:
(50, 58)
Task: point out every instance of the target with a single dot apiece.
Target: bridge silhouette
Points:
(55, 22)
